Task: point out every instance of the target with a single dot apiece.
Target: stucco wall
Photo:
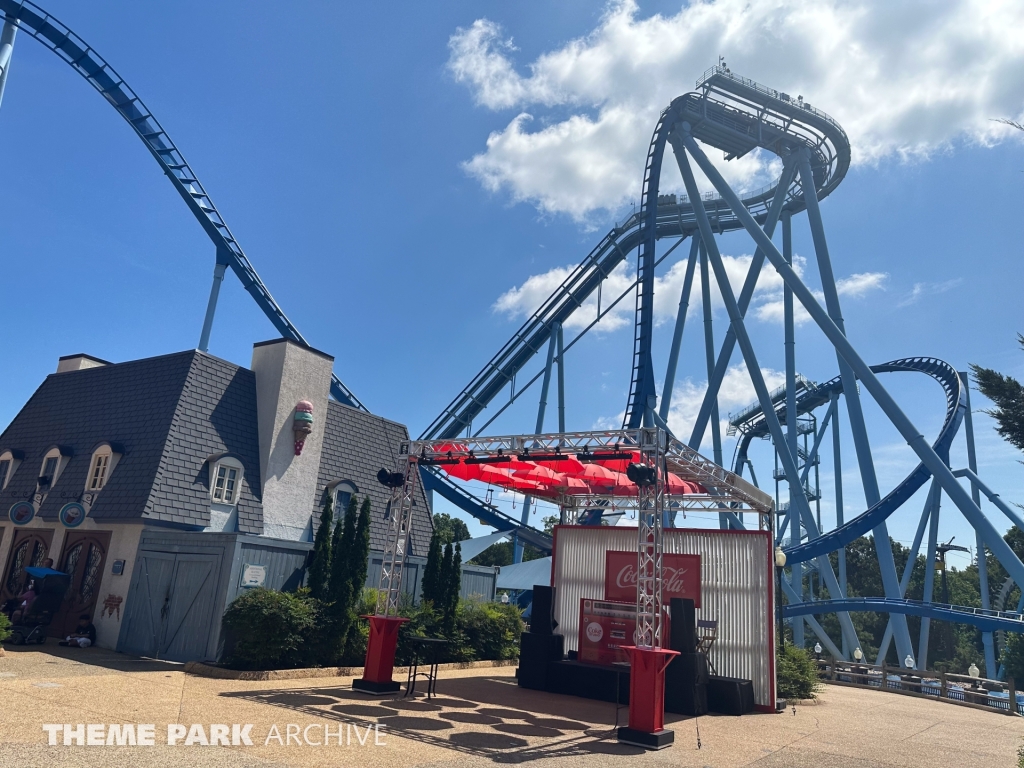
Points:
(285, 374)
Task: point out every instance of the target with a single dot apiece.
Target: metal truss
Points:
(396, 545)
(724, 486)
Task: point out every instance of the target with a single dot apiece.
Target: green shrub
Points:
(493, 629)
(270, 629)
(5, 627)
(797, 673)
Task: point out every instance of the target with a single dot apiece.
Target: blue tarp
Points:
(525, 575)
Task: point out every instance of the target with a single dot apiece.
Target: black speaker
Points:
(730, 695)
(685, 680)
(542, 616)
(536, 651)
(683, 635)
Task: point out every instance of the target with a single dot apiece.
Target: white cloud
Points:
(904, 79)
(928, 289)
(766, 305)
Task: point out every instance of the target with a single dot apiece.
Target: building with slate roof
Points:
(165, 485)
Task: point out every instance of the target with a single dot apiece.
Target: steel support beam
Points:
(561, 380)
(7, 35)
(908, 571)
(709, 349)
(211, 307)
(749, 357)
(746, 294)
(883, 547)
(935, 500)
(917, 442)
(677, 333)
(837, 471)
(987, 641)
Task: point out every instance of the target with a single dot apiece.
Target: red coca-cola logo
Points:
(680, 576)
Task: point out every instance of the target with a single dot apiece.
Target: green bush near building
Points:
(797, 673)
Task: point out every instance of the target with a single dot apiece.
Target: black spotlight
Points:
(390, 479)
(642, 474)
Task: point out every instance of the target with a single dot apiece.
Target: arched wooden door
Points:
(30, 547)
(85, 553)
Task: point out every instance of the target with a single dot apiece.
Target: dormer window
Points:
(9, 461)
(100, 468)
(226, 481)
(53, 465)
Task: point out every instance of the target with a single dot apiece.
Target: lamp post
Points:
(780, 563)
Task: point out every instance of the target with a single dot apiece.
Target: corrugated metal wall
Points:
(736, 585)
(477, 581)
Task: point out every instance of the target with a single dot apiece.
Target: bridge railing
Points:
(977, 692)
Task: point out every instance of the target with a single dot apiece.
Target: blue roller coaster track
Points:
(738, 116)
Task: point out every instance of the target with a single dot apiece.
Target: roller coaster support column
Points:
(908, 571)
(837, 471)
(753, 368)
(991, 670)
(553, 344)
(917, 442)
(935, 499)
(746, 293)
(211, 306)
(797, 571)
(561, 381)
(883, 547)
(709, 353)
(677, 334)
(7, 36)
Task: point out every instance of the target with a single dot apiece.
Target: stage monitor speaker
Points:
(730, 695)
(683, 636)
(542, 616)
(536, 652)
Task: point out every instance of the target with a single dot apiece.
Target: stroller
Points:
(51, 586)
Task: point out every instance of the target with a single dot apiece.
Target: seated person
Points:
(84, 634)
(24, 600)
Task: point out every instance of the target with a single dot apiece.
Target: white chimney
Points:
(78, 362)
(289, 375)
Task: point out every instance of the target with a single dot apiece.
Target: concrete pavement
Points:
(480, 718)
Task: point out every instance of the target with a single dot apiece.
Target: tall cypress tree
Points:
(430, 587)
(319, 576)
(341, 591)
(359, 556)
(454, 585)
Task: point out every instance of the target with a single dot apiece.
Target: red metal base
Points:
(380, 649)
(647, 687)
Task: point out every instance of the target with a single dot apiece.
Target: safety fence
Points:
(977, 692)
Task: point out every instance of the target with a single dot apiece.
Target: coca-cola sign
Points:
(680, 577)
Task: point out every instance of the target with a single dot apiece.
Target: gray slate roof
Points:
(356, 446)
(169, 413)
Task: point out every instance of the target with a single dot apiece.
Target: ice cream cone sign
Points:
(303, 424)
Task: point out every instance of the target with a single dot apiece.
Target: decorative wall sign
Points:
(117, 568)
(253, 575)
(22, 513)
(680, 574)
(111, 604)
(72, 514)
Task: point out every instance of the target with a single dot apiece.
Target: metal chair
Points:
(707, 633)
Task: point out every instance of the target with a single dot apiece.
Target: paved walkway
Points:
(480, 718)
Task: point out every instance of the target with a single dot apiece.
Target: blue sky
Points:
(387, 184)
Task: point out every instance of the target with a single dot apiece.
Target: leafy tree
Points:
(320, 568)
(430, 586)
(549, 523)
(1008, 395)
(1013, 656)
(450, 529)
(454, 586)
(342, 546)
(442, 579)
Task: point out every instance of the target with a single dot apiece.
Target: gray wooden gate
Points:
(171, 606)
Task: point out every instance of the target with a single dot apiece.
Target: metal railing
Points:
(977, 692)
